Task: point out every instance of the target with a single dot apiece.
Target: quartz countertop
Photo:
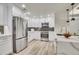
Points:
(2, 35)
(70, 39)
(63, 35)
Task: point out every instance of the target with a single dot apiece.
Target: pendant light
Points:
(72, 19)
(67, 15)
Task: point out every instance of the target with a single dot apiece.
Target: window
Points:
(1, 29)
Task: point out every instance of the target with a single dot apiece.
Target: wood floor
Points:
(39, 48)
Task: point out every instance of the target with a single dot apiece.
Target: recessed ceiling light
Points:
(48, 15)
(41, 16)
(23, 6)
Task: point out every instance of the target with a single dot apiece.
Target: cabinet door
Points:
(1, 14)
(37, 35)
(5, 45)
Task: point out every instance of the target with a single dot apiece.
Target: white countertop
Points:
(70, 39)
(1, 35)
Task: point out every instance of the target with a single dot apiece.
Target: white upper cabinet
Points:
(36, 22)
(1, 14)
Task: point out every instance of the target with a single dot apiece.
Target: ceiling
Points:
(44, 9)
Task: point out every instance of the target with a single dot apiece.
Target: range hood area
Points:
(41, 29)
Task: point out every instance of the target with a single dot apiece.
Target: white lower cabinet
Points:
(34, 35)
(5, 45)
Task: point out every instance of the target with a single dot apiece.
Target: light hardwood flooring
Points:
(39, 48)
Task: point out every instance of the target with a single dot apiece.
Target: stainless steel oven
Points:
(44, 34)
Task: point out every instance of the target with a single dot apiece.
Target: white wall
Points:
(6, 17)
(1, 14)
(60, 21)
(6, 21)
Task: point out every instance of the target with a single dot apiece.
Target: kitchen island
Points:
(67, 46)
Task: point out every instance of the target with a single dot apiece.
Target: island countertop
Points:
(70, 39)
(63, 35)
